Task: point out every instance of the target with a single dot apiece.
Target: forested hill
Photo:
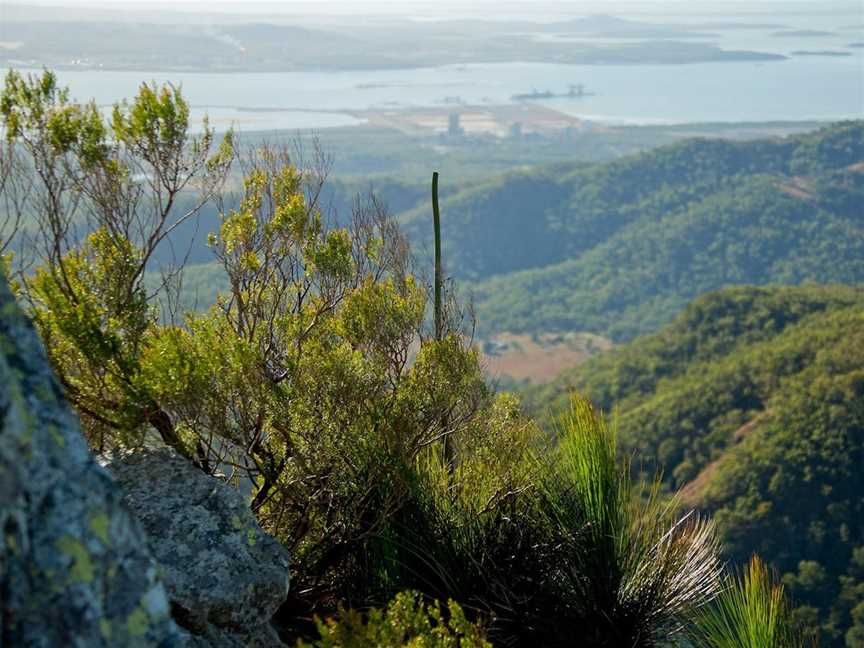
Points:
(753, 402)
(620, 248)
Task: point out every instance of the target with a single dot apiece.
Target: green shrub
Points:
(406, 622)
(571, 549)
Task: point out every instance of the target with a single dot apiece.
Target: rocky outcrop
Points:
(75, 570)
(225, 576)
(78, 570)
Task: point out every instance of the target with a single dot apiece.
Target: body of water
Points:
(799, 88)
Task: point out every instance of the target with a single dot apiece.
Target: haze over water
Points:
(802, 87)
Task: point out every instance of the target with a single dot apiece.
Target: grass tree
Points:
(630, 569)
(751, 612)
(556, 543)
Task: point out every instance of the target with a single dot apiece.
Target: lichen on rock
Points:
(225, 576)
(75, 569)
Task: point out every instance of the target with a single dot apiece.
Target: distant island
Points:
(738, 25)
(261, 47)
(820, 53)
(802, 33)
(614, 27)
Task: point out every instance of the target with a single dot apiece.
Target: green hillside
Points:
(619, 248)
(752, 400)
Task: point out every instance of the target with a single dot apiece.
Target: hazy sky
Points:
(400, 5)
(476, 8)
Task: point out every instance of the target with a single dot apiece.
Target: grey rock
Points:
(213, 637)
(75, 570)
(225, 576)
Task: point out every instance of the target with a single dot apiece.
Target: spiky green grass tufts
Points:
(630, 564)
(751, 612)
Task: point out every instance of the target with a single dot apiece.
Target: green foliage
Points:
(752, 612)
(311, 376)
(94, 329)
(104, 196)
(300, 373)
(157, 118)
(406, 622)
(828, 149)
(710, 328)
(634, 569)
(622, 247)
(751, 400)
(560, 546)
(466, 531)
(36, 107)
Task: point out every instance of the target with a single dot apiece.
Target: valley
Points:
(751, 401)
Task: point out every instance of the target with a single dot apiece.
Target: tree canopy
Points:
(620, 248)
(751, 401)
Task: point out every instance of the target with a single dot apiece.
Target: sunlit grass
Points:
(751, 612)
(572, 553)
(633, 567)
